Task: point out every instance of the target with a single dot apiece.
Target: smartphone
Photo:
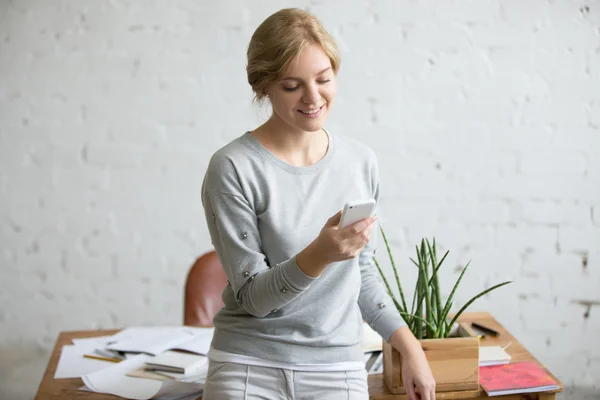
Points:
(354, 211)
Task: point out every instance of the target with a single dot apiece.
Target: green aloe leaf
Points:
(434, 277)
(427, 292)
(413, 307)
(420, 296)
(449, 300)
(438, 267)
(428, 318)
(423, 320)
(475, 298)
(389, 289)
(443, 327)
(446, 326)
(389, 251)
(418, 289)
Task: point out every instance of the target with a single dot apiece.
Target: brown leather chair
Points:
(203, 288)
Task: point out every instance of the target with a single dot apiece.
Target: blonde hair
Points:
(278, 40)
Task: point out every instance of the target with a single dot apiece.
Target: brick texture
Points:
(485, 116)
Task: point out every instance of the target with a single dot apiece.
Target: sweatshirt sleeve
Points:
(375, 304)
(259, 288)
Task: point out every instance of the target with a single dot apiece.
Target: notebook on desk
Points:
(181, 363)
(493, 355)
(514, 378)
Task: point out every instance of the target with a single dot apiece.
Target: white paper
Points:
(101, 341)
(197, 341)
(372, 341)
(113, 380)
(200, 343)
(72, 363)
(377, 367)
(97, 341)
(151, 343)
(492, 355)
(200, 330)
(189, 364)
(199, 377)
(153, 330)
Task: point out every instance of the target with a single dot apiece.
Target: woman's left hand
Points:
(416, 374)
(417, 377)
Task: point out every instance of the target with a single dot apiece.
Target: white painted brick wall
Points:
(485, 116)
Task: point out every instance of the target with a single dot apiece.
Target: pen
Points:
(115, 360)
(484, 328)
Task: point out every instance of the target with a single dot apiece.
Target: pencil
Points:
(115, 360)
(484, 328)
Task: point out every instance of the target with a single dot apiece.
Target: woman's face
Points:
(305, 94)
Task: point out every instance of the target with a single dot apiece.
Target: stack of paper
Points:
(73, 364)
(374, 362)
(372, 346)
(130, 349)
(152, 343)
(178, 362)
(154, 340)
(199, 343)
(371, 339)
(492, 355)
(114, 380)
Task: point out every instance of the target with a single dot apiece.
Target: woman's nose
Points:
(311, 95)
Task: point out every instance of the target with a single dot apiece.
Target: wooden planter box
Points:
(454, 362)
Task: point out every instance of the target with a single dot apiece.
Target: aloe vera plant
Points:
(427, 317)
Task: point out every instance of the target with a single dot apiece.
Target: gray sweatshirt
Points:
(261, 212)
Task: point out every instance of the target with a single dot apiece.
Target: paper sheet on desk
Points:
(153, 343)
(371, 339)
(93, 341)
(155, 340)
(113, 380)
(72, 364)
(101, 341)
(200, 343)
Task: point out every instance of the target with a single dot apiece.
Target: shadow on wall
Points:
(21, 369)
(580, 393)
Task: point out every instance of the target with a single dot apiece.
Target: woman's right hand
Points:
(335, 244)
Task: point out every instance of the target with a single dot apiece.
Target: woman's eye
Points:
(292, 89)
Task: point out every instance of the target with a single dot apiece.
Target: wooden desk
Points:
(58, 389)
(378, 391)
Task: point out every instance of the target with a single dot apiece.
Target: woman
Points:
(299, 287)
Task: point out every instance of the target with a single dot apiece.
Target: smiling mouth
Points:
(313, 111)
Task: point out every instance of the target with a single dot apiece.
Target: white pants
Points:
(230, 381)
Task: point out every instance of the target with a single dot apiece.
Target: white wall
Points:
(485, 117)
